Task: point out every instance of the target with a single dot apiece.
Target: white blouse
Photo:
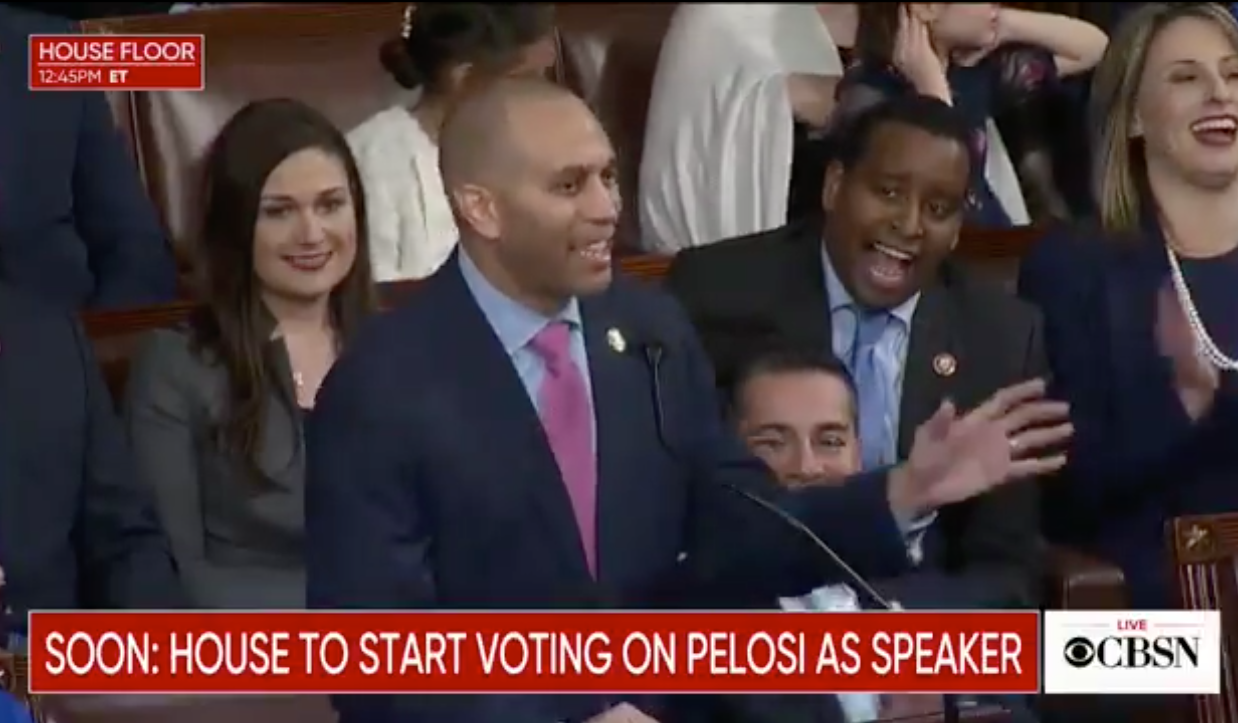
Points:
(411, 227)
(719, 136)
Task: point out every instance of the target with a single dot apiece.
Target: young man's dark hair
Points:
(922, 112)
(785, 360)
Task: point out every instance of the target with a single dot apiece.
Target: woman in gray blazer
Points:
(214, 408)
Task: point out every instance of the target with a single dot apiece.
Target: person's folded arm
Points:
(1076, 45)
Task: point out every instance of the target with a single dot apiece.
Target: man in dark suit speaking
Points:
(497, 443)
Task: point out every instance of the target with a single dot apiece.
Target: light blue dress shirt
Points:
(891, 351)
(516, 324)
(891, 354)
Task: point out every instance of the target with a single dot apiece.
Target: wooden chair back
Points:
(1204, 550)
(323, 54)
(327, 55)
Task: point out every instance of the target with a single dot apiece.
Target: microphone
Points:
(653, 352)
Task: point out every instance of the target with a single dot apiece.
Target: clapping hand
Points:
(1195, 379)
(1014, 435)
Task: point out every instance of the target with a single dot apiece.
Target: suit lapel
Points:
(619, 384)
(803, 314)
(928, 378)
(1135, 270)
(499, 406)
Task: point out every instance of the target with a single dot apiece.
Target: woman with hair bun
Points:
(443, 48)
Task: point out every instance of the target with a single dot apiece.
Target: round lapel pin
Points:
(614, 337)
(945, 365)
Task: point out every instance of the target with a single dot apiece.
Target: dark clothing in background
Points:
(76, 225)
(90, 11)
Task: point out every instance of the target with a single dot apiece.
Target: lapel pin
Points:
(614, 337)
(945, 365)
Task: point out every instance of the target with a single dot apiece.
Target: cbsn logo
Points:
(117, 62)
(1132, 652)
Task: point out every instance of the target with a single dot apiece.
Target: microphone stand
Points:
(950, 708)
(653, 353)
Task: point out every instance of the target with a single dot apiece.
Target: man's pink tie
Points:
(567, 417)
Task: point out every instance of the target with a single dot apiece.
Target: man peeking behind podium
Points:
(497, 441)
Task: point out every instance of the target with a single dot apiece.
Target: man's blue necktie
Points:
(871, 387)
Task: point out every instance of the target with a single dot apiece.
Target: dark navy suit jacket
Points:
(769, 289)
(76, 226)
(77, 529)
(431, 484)
(1136, 460)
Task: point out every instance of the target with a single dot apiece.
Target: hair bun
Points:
(395, 60)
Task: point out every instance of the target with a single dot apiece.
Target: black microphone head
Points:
(654, 343)
(643, 343)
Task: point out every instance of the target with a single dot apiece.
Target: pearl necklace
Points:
(1203, 341)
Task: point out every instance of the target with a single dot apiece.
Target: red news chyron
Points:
(533, 652)
(117, 62)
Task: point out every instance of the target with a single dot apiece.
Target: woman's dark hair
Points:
(233, 325)
(876, 31)
(439, 36)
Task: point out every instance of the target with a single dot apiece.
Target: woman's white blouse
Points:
(411, 227)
